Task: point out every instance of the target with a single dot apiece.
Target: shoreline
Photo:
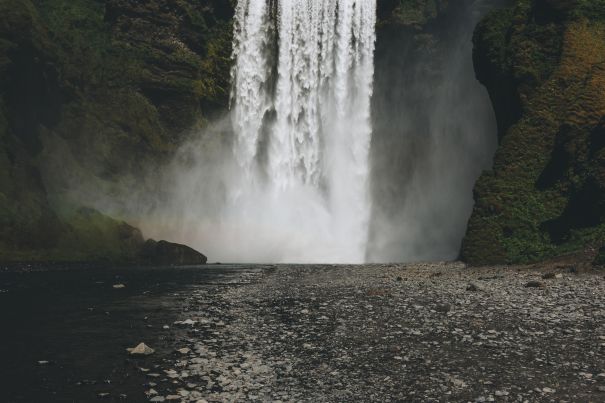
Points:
(397, 333)
(321, 333)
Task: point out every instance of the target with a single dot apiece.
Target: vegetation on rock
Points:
(543, 63)
(118, 83)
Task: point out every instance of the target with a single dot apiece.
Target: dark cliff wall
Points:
(543, 63)
(97, 90)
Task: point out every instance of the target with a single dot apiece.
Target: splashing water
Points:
(285, 178)
(302, 84)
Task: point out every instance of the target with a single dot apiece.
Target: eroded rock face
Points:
(543, 65)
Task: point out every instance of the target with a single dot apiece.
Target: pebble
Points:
(141, 349)
(334, 333)
(187, 322)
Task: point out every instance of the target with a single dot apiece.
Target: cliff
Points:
(99, 90)
(94, 92)
(543, 63)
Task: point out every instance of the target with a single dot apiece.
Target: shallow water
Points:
(74, 319)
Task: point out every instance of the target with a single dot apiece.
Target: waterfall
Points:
(302, 83)
(286, 176)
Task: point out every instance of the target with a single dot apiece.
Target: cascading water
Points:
(302, 84)
(292, 185)
(285, 178)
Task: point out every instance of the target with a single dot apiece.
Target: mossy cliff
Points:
(543, 63)
(117, 83)
(99, 90)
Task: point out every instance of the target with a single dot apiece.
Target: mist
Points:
(290, 181)
(434, 133)
(339, 153)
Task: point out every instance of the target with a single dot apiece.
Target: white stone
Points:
(141, 349)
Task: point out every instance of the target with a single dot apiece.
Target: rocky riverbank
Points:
(426, 332)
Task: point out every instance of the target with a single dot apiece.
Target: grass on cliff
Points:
(559, 75)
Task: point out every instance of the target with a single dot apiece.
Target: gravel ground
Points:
(425, 332)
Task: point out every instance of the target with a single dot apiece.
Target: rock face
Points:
(543, 63)
(91, 92)
(166, 253)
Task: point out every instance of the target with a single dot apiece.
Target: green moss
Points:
(85, 235)
(514, 46)
(194, 17)
(492, 37)
(83, 41)
(591, 9)
(527, 208)
(124, 90)
(91, 235)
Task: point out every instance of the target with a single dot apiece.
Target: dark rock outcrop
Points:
(167, 253)
(543, 63)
